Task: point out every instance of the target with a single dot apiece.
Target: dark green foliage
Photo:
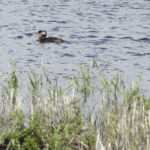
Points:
(35, 134)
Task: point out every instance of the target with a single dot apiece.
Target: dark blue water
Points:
(117, 29)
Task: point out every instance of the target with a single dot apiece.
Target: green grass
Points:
(72, 117)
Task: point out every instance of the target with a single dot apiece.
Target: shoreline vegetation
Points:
(73, 118)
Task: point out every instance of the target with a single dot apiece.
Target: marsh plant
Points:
(65, 118)
(125, 116)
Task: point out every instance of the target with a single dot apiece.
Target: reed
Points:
(72, 117)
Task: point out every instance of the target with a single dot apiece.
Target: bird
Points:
(44, 39)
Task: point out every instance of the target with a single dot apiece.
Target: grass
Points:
(73, 118)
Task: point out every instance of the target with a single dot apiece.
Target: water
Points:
(119, 30)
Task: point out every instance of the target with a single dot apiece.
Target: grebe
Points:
(43, 39)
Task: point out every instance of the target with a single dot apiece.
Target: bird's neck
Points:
(43, 36)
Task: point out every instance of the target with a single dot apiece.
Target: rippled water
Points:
(119, 29)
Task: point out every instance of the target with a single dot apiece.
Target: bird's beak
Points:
(38, 34)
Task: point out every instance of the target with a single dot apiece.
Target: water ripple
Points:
(68, 55)
(94, 29)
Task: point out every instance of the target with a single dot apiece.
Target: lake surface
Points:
(117, 29)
